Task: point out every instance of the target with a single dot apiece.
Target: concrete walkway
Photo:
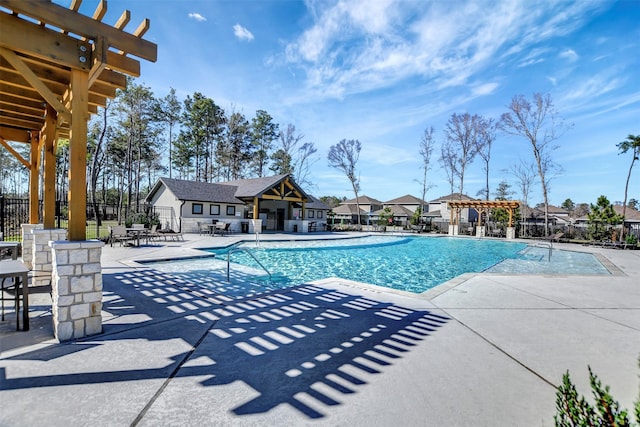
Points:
(481, 350)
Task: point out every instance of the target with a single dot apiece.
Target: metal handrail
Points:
(549, 245)
(246, 250)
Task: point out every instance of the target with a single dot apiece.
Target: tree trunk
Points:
(624, 204)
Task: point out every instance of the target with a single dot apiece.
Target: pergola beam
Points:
(84, 26)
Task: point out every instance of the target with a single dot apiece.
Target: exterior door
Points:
(280, 220)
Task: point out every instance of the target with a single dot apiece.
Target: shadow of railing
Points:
(306, 346)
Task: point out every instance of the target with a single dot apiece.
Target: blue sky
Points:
(381, 71)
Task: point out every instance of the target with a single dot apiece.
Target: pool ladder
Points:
(245, 250)
(549, 245)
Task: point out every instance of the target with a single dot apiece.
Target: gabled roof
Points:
(198, 191)
(363, 200)
(451, 197)
(253, 187)
(406, 200)
(396, 210)
(631, 215)
(233, 192)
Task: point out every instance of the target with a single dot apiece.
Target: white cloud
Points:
(242, 33)
(569, 54)
(359, 46)
(197, 17)
(484, 89)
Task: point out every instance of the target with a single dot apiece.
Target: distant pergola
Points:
(483, 206)
(57, 67)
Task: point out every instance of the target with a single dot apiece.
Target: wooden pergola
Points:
(483, 206)
(57, 67)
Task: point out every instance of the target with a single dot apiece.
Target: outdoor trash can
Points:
(244, 226)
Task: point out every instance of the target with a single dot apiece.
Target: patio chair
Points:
(118, 233)
(221, 228)
(203, 228)
(153, 233)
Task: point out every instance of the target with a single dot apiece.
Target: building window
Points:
(214, 210)
(196, 208)
(231, 211)
(319, 214)
(309, 214)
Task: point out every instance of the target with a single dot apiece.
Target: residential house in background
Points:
(439, 212)
(347, 211)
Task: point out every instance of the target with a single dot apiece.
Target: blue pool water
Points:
(413, 264)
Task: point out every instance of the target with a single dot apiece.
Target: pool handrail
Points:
(248, 251)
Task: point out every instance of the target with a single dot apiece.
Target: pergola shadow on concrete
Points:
(482, 207)
(57, 67)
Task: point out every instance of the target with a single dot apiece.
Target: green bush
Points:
(574, 410)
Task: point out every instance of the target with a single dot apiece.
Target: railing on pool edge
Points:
(549, 245)
(246, 250)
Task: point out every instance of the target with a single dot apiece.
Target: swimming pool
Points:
(413, 264)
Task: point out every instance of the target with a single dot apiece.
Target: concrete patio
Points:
(482, 349)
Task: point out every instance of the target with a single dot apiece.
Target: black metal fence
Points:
(15, 211)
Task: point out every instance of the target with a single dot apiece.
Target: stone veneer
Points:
(76, 289)
(27, 243)
(511, 232)
(41, 263)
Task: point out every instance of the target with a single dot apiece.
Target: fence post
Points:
(2, 217)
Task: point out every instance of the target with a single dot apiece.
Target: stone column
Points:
(481, 231)
(76, 289)
(511, 232)
(27, 243)
(454, 229)
(42, 257)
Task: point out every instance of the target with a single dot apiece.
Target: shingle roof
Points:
(452, 196)
(347, 210)
(199, 191)
(315, 203)
(406, 200)
(363, 200)
(256, 186)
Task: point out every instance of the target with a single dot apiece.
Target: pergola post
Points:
(78, 154)
(33, 180)
(47, 137)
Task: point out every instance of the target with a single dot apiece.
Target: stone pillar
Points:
(511, 232)
(42, 257)
(481, 231)
(454, 229)
(27, 243)
(76, 289)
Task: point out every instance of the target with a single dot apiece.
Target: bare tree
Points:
(344, 156)
(426, 151)
(462, 133)
(486, 136)
(448, 160)
(291, 159)
(303, 162)
(525, 173)
(632, 143)
(537, 121)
